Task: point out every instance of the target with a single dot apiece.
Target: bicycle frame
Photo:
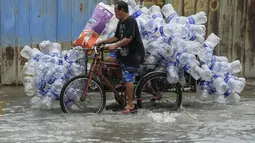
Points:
(98, 71)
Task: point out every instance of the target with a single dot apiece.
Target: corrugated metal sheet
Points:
(233, 21)
(28, 22)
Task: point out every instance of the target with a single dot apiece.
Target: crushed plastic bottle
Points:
(172, 72)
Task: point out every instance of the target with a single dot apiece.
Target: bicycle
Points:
(92, 85)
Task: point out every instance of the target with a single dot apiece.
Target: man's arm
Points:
(122, 42)
(110, 40)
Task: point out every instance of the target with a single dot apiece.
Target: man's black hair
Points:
(121, 5)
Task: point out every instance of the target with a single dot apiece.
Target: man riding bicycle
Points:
(131, 54)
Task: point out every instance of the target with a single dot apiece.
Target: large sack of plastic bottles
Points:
(174, 44)
(48, 69)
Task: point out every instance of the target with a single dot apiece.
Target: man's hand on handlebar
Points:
(110, 47)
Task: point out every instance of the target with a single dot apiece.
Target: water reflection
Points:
(196, 122)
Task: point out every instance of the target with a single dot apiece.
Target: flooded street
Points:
(196, 122)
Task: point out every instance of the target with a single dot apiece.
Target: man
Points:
(132, 52)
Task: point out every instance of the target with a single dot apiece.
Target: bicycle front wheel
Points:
(73, 89)
(155, 91)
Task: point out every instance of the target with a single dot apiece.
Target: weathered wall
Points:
(233, 21)
(28, 22)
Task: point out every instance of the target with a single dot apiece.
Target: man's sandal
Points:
(131, 110)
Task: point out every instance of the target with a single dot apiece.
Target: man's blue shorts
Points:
(128, 73)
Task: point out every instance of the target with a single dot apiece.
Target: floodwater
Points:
(196, 122)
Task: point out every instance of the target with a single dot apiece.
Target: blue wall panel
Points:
(64, 26)
(23, 22)
(8, 25)
(80, 16)
(50, 20)
(36, 21)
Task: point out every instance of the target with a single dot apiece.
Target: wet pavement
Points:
(196, 122)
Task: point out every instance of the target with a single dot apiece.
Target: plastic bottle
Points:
(211, 42)
(58, 72)
(166, 51)
(130, 9)
(172, 72)
(29, 68)
(185, 58)
(77, 69)
(72, 96)
(41, 71)
(207, 72)
(140, 17)
(168, 10)
(145, 10)
(215, 96)
(157, 17)
(224, 68)
(204, 90)
(168, 30)
(221, 59)
(55, 49)
(172, 16)
(235, 66)
(161, 50)
(151, 62)
(185, 31)
(192, 47)
(74, 54)
(132, 3)
(45, 47)
(197, 72)
(220, 85)
(207, 58)
(29, 53)
(232, 96)
(53, 94)
(36, 101)
(49, 77)
(56, 88)
(152, 28)
(182, 79)
(199, 30)
(29, 86)
(177, 43)
(198, 18)
(234, 84)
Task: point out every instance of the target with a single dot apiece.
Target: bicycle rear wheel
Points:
(154, 91)
(72, 91)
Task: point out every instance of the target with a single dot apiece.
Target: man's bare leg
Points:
(130, 92)
(109, 59)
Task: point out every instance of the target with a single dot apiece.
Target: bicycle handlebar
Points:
(97, 48)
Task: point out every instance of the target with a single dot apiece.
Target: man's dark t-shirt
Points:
(133, 53)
